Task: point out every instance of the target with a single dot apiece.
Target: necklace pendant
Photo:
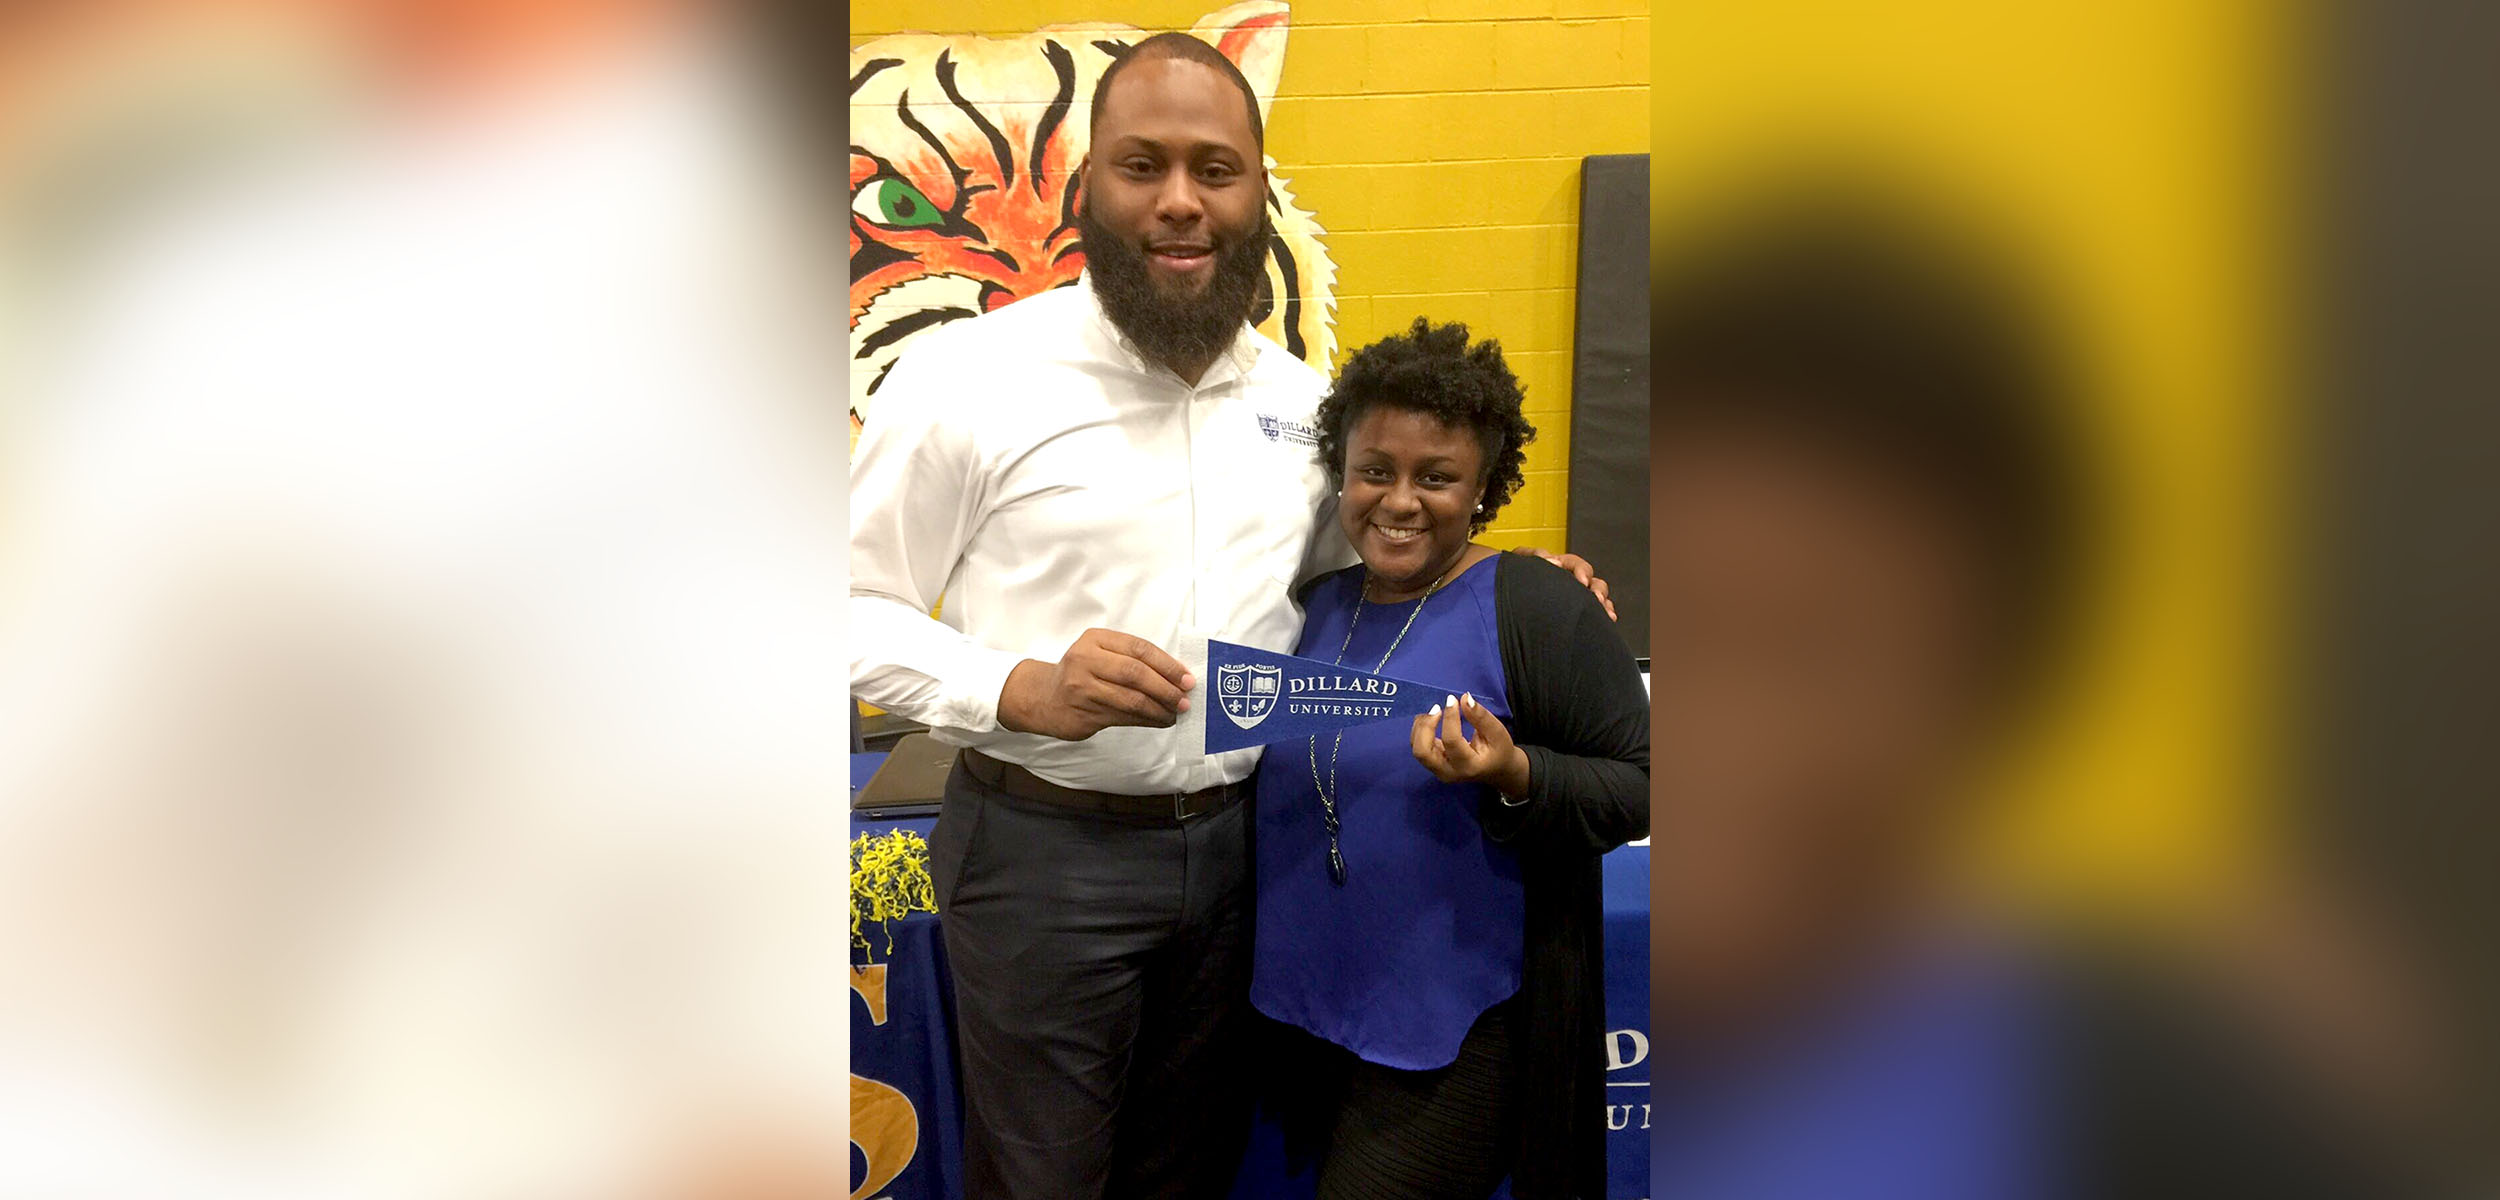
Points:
(1336, 863)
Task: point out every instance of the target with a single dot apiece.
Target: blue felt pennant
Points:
(1261, 696)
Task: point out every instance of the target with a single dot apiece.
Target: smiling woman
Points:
(1442, 1065)
(1429, 437)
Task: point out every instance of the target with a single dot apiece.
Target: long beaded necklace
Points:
(1328, 792)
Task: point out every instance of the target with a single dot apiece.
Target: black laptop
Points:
(910, 782)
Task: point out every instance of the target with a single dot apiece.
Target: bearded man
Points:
(1095, 479)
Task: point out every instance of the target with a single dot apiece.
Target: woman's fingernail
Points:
(1468, 699)
(1452, 702)
(1436, 711)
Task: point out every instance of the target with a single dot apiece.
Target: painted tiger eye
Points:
(892, 202)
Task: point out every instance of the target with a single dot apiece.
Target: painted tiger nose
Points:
(995, 295)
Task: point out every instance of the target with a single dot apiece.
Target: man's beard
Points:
(1184, 329)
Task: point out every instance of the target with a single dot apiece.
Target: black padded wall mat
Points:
(1609, 518)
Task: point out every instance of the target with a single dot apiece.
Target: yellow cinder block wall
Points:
(1438, 143)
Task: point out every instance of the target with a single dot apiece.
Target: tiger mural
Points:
(963, 160)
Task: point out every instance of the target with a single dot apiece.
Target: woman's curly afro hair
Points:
(1432, 370)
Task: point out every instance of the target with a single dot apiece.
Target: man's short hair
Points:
(1181, 46)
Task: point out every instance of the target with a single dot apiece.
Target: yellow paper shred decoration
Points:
(889, 880)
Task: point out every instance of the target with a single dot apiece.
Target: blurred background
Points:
(2132, 159)
(421, 526)
(2251, 790)
(419, 483)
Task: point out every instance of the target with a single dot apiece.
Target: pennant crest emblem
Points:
(1247, 691)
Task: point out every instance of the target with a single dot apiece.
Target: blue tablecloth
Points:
(907, 1112)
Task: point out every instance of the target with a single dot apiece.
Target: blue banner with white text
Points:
(1261, 696)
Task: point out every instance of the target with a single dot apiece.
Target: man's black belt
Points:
(1158, 807)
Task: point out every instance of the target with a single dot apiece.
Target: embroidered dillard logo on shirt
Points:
(1279, 429)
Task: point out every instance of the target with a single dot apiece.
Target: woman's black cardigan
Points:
(1578, 708)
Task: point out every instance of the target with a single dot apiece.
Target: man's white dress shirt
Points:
(1039, 474)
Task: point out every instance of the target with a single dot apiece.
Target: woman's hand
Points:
(1487, 757)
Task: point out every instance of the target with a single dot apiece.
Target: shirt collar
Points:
(1241, 354)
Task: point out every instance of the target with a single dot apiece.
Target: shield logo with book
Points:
(1247, 692)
